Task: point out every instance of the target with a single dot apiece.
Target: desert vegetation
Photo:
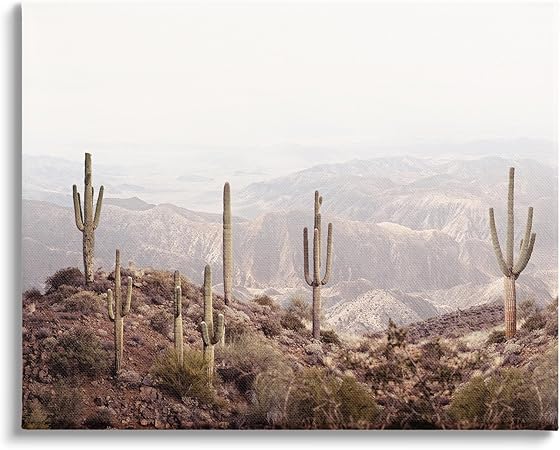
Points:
(188, 358)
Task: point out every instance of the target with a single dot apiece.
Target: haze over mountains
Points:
(410, 234)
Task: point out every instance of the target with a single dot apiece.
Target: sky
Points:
(278, 86)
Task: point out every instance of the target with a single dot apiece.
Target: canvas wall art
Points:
(290, 216)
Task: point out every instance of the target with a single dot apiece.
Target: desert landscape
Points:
(204, 320)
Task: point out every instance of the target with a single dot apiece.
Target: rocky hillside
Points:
(270, 373)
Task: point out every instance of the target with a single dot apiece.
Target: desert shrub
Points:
(496, 337)
(71, 276)
(78, 351)
(161, 322)
(265, 300)
(295, 313)
(32, 294)
(34, 416)
(311, 398)
(64, 406)
(527, 308)
(159, 286)
(101, 285)
(235, 328)
(271, 326)
(62, 293)
(412, 382)
(270, 393)
(320, 400)
(100, 420)
(291, 322)
(535, 321)
(84, 302)
(187, 380)
(247, 356)
(251, 353)
(506, 400)
(551, 314)
(330, 337)
(544, 379)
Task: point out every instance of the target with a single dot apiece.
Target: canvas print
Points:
(290, 216)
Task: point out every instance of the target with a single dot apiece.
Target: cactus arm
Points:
(496, 244)
(126, 306)
(510, 220)
(98, 207)
(110, 304)
(306, 258)
(77, 208)
(205, 335)
(525, 256)
(219, 332)
(329, 256)
(528, 227)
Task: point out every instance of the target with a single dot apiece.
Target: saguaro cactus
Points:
(227, 245)
(119, 311)
(510, 268)
(178, 318)
(87, 220)
(210, 335)
(316, 282)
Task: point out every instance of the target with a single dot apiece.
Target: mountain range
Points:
(410, 235)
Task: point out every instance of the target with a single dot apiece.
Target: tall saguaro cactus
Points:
(178, 318)
(210, 335)
(316, 282)
(87, 220)
(510, 268)
(227, 245)
(119, 310)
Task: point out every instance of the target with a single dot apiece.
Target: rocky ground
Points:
(68, 381)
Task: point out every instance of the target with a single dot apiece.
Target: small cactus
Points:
(227, 246)
(87, 220)
(210, 335)
(178, 318)
(316, 282)
(510, 268)
(119, 310)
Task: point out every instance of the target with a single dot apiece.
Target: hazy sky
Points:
(125, 80)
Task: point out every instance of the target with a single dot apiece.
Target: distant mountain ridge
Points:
(410, 236)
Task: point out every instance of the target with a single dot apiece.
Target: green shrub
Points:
(100, 420)
(496, 337)
(80, 353)
(65, 406)
(506, 400)
(236, 328)
(311, 399)
(251, 354)
(84, 302)
(551, 314)
(290, 321)
(534, 322)
(161, 322)
(526, 308)
(265, 300)
(187, 380)
(71, 276)
(34, 416)
(330, 337)
(271, 326)
(299, 308)
(32, 294)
